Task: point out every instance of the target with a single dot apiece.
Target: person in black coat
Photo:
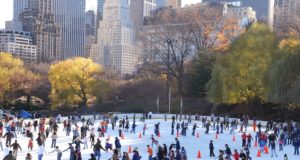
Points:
(211, 149)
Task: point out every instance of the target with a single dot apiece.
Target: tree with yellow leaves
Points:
(74, 81)
(14, 77)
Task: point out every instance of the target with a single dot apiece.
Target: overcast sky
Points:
(6, 8)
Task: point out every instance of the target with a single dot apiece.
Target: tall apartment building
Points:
(115, 48)
(285, 11)
(173, 3)
(99, 13)
(69, 16)
(138, 10)
(39, 21)
(19, 44)
(19, 7)
(90, 31)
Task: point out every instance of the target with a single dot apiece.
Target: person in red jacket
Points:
(244, 138)
(236, 155)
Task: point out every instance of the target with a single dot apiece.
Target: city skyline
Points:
(6, 9)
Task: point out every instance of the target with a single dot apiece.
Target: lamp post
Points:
(169, 42)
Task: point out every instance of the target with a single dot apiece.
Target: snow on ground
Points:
(191, 143)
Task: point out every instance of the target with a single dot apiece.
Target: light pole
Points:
(169, 42)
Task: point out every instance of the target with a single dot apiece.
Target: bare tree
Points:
(172, 36)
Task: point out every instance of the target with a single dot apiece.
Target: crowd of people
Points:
(87, 134)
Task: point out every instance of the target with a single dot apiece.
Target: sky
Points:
(6, 8)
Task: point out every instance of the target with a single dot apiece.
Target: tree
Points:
(283, 76)
(170, 45)
(74, 81)
(238, 76)
(13, 78)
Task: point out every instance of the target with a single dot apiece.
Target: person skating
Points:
(228, 151)
(211, 149)
(194, 129)
(28, 157)
(97, 149)
(244, 139)
(285, 157)
(150, 152)
(221, 155)
(54, 137)
(183, 154)
(243, 156)
(136, 155)
(115, 155)
(16, 147)
(177, 144)
(58, 151)
(72, 151)
(41, 151)
(273, 148)
(133, 128)
(9, 156)
(118, 145)
(8, 135)
(144, 129)
(125, 156)
(296, 144)
(236, 155)
(160, 153)
(92, 157)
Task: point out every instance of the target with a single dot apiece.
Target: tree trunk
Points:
(180, 87)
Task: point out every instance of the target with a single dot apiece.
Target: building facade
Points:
(244, 15)
(115, 48)
(69, 16)
(39, 21)
(263, 8)
(19, 44)
(19, 7)
(90, 31)
(285, 11)
(173, 3)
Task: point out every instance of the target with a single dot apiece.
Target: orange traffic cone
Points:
(233, 138)
(140, 136)
(177, 134)
(216, 135)
(199, 154)
(122, 136)
(129, 149)
(258, 154)
(198, 136)
(266, 149)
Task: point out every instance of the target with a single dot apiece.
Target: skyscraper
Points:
(149, 5)
(39, 21)
(19, 7)
(69, 15)
(138, 10)
(99, 13)
(90, 31)
(115, 48)
(90, 23)
(100, 9)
